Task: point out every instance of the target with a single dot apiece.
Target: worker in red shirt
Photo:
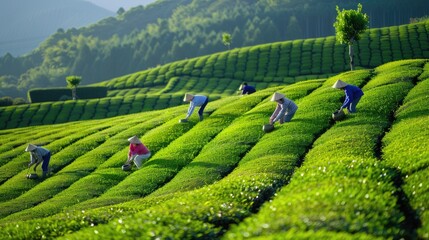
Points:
(138, 152)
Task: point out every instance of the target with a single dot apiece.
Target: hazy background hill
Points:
(25, 24)
(114, 5)
(168, 30)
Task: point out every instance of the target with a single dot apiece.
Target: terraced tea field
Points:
(219, 75)
(224, 178)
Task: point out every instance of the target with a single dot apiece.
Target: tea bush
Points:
(342, 186)
(405, 149)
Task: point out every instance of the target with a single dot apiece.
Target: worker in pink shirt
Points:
(138, 152)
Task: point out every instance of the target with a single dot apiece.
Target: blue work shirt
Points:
(247, 89)
(352, 92)
(198, 100)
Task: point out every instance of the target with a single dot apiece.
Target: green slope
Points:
(224, 178)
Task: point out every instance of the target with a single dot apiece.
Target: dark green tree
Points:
(226, 39)
(348, 27)
(73, 82)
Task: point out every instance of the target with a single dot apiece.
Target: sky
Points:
(114, 5)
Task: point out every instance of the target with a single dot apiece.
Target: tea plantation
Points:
(219, 75)
(223, 178)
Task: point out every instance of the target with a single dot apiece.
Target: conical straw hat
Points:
(188, 97)
(339, 84)
(134, 140)
(277, 96)
(30, 147)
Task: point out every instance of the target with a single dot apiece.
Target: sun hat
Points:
(30, 147)
(188, 97)
(277, 96)
(134, 139)
(339, 84)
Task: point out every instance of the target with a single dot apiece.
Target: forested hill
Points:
(169, 30)
(25, 24)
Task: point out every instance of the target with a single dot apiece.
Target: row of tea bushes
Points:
(209, 211)
(102, 178)
(244, 103)
(68, 147)
(233, 142)
(405, 149)
(210, 86)
(14, 144)
(263, 110)
(167, 162)
(61, 112)
(282, 61)
(89, 153)
(342, 186)
(168, 132)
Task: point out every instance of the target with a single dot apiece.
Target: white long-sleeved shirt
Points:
(37, 155)
(198, 100)
(283, 108)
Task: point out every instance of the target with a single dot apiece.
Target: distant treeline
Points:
(168, 30)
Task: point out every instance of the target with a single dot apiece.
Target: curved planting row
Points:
(240, 188)
(61, 112)
(107, 171)
(342, 187)
(233, 142)
(13, 144)
(167, 162)
(405, 149)
(89, 153)
(212, 86)
(282, 62)
(255, 117)
(16, 167)
(209, 211)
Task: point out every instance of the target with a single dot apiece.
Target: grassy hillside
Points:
(220, 74)
(224, 178)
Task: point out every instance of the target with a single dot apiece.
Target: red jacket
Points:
(138, 149)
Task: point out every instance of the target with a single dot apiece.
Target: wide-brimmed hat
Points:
(188, 97)
(134, 139)
(30, 147)
(277, 96)
(339, 84)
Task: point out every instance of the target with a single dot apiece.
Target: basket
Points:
(267, 128)
(338, 115)
(32, 176)
(126, 167)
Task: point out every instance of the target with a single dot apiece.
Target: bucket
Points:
(267, 128)
(338, 115)
(32, 176)
(126, 167)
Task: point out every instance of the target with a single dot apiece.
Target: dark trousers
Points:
(45, 163)
(200, 112)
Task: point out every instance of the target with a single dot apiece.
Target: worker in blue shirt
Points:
(246, 89)
(37, 156)
(195, 100)
(353, 95)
